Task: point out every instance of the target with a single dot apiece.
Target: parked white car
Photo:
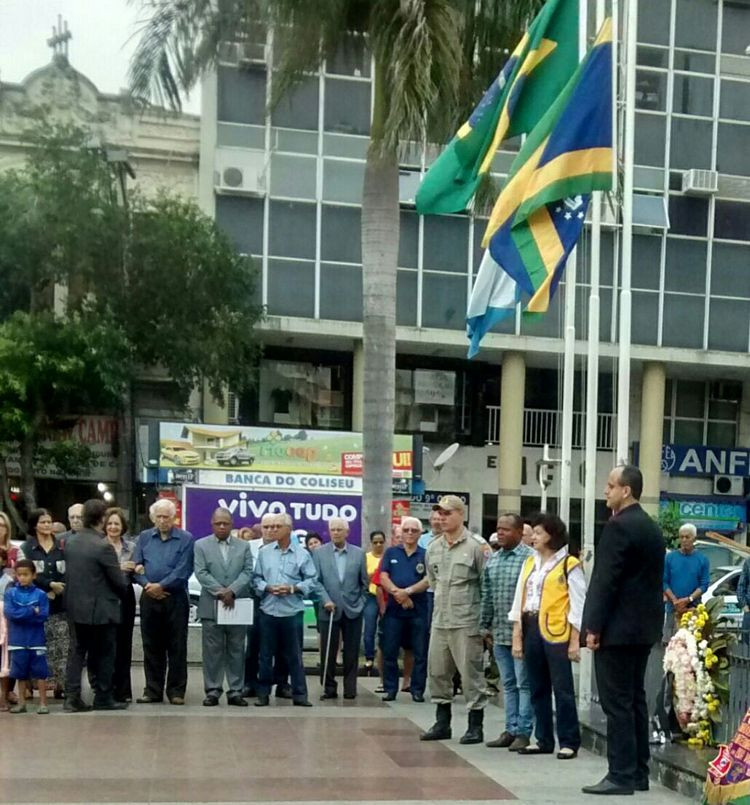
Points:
(723, 582)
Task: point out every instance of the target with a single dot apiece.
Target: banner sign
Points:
(309, 511)
(272, 450)
(421, 505)
(678, 459)
(298, 482)
(725, 515)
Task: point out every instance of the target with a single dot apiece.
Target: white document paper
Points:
(241, 613)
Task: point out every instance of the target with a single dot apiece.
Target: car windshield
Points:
(720, 555)
(717, 573)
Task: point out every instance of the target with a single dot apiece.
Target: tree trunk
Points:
(26, 461)
(10, 506)
(380, 231)
(125, 455)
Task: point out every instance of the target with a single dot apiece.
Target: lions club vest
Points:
(555, 600)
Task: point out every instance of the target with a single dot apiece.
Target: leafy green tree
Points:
(432, 58)
(147, 283)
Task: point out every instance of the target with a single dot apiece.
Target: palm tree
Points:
(432, 60)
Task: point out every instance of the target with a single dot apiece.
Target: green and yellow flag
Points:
(533, 76)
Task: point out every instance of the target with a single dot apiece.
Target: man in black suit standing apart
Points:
(622, 619)
(95, 586)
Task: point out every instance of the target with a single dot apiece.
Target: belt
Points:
(531, 615)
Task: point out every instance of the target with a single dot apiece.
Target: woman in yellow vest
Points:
(371, 611)
(547, 613)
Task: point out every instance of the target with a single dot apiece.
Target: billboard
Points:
(272, 450)
(310, 511)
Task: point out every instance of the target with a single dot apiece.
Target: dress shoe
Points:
(146, 699)
(283, 692)
(350, 696)
(536, 750)
(302, 703)
(76, 705)
(503, 742)
(608, 788)
(176, 700)
(111, 706)
(236, 701)
(325, 696)
(567, 753)
(417, 697)
(519, 742)
(262, 701)
(389, 697)
(210, 701)
(641, 785)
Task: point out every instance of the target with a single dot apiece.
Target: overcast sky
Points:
(103, 39)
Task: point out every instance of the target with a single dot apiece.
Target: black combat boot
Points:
(474, 734)
(441, 729)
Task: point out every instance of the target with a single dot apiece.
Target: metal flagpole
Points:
(571, 271)
(592, 397)
(623, 375)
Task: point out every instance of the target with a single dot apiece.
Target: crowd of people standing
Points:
(441, 597)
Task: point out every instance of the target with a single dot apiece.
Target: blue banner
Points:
(678, 459)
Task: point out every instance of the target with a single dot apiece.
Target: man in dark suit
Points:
(622, 619)
(94, 589)
(342, 574)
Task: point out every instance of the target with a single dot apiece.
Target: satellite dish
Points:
(445, 456)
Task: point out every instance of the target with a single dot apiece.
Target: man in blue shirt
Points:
(164, 563)
(686, 577)
(283, 577)
(403, 576)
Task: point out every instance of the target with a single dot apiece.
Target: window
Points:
(732, 152)
(735, 100)
(347, 106)
(291, 288)
(730, 272)
(646, 262)
(686, 266)
(701, 413)
(342, 181)
(293, 177)
(432, 401)
(444, 301)
(693, 95)
(242, 221)
(683, 321)
(340, 292)
(341, 234)
(734, 29)
(352, 58)
(688, 215)
(653, 22)
(695, 26)
(408, 240)
(729, 324)
(241, 95)
(645, 317)
(298, 108)
(651, 90)
(732, 221)
(691, 62)
(406, 298)
(446, 243)
(650, 138)
(292, 230)
(302, 394)
(691, 143)
(652, 57)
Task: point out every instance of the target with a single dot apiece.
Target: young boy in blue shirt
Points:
(26, 608)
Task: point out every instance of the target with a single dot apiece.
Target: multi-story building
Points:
(287, 185)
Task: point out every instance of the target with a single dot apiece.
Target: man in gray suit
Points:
(223, 567)
(95, 586)
(343, 585)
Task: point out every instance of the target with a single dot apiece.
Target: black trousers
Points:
(124, 650)
(281, 635)
(252, 658)
(164, 629)
(620, 671)
(349, 630)
(95, 646)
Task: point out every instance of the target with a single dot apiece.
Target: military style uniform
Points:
(455, 573)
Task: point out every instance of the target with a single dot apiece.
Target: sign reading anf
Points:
(677, 459)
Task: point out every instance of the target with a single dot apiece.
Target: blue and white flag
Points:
(493, 298)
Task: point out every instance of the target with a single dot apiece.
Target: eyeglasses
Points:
(411, 530)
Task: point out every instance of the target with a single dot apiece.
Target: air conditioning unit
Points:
(233, 408)
(729, 485)
(697, 182)
(240, 172)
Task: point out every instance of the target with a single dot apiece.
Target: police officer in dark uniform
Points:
(403, 576)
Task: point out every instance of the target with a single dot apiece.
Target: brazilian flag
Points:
(528, 84)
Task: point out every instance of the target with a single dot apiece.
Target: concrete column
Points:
(214, 413)
(511, 432)
(652, 430)
(358, 387)
(743, 435)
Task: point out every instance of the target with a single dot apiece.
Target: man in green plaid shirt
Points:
(498, 589)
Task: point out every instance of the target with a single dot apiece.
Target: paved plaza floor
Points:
(359, 751)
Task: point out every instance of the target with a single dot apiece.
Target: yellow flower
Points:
(698, 636)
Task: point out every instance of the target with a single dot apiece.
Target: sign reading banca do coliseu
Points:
(310, 512)
(272, 450)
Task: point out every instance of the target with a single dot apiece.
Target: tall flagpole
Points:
(623, 375)
(592, 382)
(570, 332)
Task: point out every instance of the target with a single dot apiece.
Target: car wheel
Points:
(234, 461)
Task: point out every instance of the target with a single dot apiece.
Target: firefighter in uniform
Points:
(455, 562)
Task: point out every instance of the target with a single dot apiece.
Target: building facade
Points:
(286, 186)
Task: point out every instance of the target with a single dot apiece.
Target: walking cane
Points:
(328, 648)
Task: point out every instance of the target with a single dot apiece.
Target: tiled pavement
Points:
(343, 752)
